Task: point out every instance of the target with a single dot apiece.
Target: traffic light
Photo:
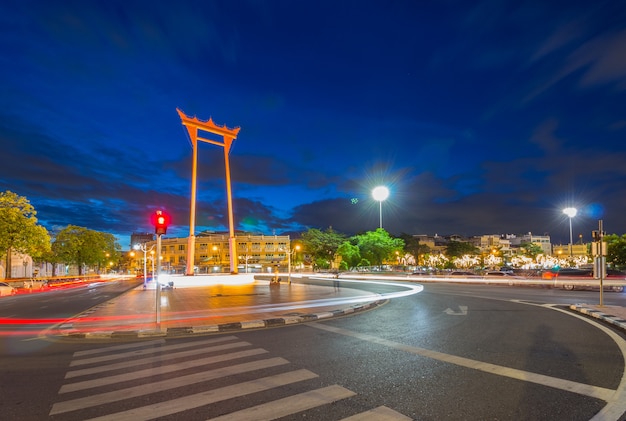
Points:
(160, 220)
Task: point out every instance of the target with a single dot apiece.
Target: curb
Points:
(614, 320)
(66, 331)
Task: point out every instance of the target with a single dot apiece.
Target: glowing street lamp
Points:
(380, 194)
(289, 253)
(145, 250)
(570, 212)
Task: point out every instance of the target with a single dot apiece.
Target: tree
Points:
(616, 249)
(19, 231)
(460, 248)
(322, 245)
(81, 246)
(413, 246)
(378, 246)
(531, 250)
(350, 254)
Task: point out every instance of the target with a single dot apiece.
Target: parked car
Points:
(6, 289)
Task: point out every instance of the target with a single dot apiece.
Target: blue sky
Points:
(483, 117)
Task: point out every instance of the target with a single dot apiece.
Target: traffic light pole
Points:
(599, 251)
(601, 265)
(158, 284)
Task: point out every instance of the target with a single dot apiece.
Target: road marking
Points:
(567, 385)
(159, 386)
(148, 351)
(170, 368)
(118, 348)
(451, 312)
(616, 404)
(173, 406)
(382, 413)
(289, 405)
(146, 360)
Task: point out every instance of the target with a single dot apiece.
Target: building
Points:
(542, 241)
(489, 243)
(563, 250)
(256, 253)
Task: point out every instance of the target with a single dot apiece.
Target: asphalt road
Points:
(26, 314)
(452, 352)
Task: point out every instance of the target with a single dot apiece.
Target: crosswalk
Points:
(218, 378)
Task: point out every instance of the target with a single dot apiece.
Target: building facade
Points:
(256, 253)
(542, 241)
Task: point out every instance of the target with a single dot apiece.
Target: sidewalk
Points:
(614, 315)
(218, 303)
(210, 303)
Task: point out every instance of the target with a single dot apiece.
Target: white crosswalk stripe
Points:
(147, 380)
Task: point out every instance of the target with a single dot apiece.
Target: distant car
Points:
(462, 273)
(496, 273)
(585, 273)
(6, 289)
(588, 286)
(612, 273)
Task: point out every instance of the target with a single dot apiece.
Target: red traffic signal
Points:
(160, 220)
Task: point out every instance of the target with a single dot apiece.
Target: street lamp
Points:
(380, 194)
(245, 258)
(570, 212)
(145, 250)
(289, 253)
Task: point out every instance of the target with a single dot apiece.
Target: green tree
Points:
(378, 246)
(531, 250)
(616, 250)
(19, 231)
(460, 248)
(84, 247)
(322, 245)
(350, 254)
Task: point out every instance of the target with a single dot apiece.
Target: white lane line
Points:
(142, 345)
(148, 372)
(174, 406)
(157, 358)
(616, 404)
(163, 385)
(147, 351)
(117, 348)
(289, 405)
(567, 385)
(382, 413)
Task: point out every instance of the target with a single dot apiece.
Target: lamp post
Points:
(289, 253)
(245, 258)
(145, 250)
(570, 212)
(380, 194)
